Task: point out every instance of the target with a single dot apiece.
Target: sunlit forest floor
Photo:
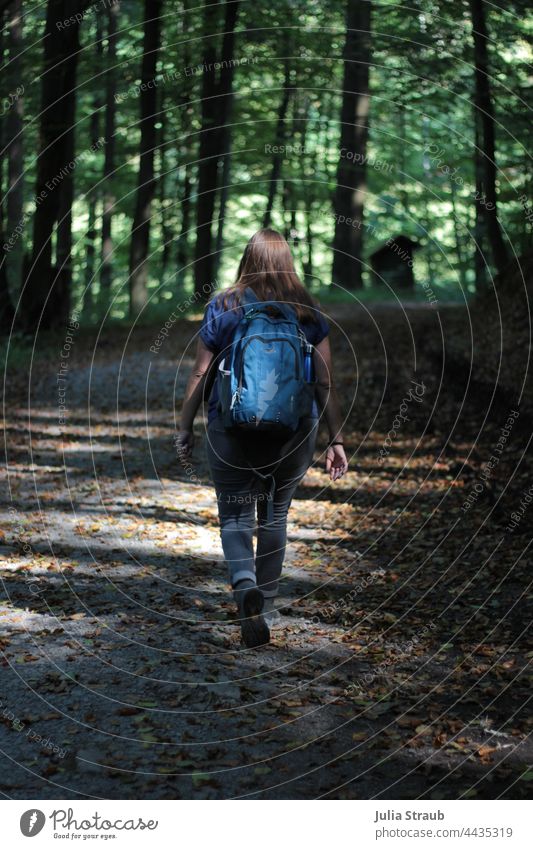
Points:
(399, 672)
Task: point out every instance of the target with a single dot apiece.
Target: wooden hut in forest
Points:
(392, 264)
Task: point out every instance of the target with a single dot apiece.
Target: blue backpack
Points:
(262, 377)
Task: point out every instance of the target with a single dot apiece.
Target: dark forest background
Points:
(143, 143)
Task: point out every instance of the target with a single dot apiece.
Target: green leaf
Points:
(199, 778)
(527, 775)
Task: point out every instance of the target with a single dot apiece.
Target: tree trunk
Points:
(350, 194)
(140, 234)
(225, 176)
(484, 107)
(223, 202)
(327, 143)
(480, 261)
(45, 297)
(7, 313)
(182, 258)
(91, 236)
(14, 138)
(308, 192)
(184, 184)
(63, 286)
(166, 229)
(404, 195)
(527, 226)
(277, 158)
(216, 98)
(106, 269)
(309, 238)
(207, 167)
(287, 207)
(458, 237)
(290, 194)
(224, 163)
(425, 217)
(428, 250)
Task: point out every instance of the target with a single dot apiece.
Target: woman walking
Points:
(261, 431)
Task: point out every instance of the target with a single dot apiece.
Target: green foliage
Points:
(420, 163)
(15, 353)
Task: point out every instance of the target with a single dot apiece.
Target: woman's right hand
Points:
(336, 462)
(185, 444)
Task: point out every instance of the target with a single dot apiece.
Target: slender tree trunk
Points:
(404, 195)
(326, 135)
(184, 179)
(287, 209)
(290, 199)
(350, 194)
(484, 106)
(225, 176)
(426, 222)
(480, 257)
(216, 98)
(425, 219)
(140, 234)
(458, 237)
(45, 297)
(527, 226)
(63, 286)
(224, 164)
(308, 264)
(91, 237)
(90, 255)
(14, 134)
(166, 229)
(308, 192)
(277, 158)
(207, 167)
(182, 258)
(223, 203)
(106, 269)
(7, 312)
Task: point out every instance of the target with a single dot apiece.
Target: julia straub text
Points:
(389, 815)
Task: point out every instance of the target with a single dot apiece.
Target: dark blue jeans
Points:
(241, 494)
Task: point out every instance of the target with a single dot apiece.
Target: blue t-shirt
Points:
(218, 327)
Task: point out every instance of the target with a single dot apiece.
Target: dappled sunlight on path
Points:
(397, 668)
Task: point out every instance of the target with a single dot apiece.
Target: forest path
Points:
(398, 671)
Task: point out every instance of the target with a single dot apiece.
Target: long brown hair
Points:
(268, 267)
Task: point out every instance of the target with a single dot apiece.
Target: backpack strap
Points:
(251, 304)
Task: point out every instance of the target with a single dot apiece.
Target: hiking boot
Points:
(254, 629)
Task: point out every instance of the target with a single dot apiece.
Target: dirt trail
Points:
(398, 673)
